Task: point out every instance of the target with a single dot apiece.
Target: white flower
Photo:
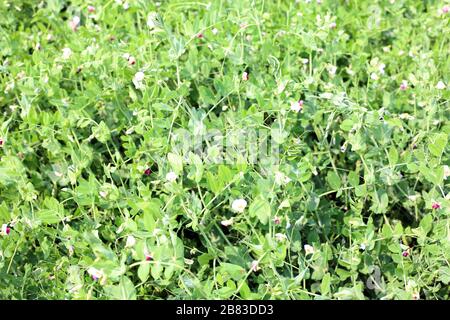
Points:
(227, 223)
(280, 237)
(446, 172)
(374, 76)
(215, 31)
(131, 241)
(152, 20)
(406, 116)
(239, 205)
(440, 85)
(308, 249)
(171, 176)
(137, 80)
(95, 273)
(331, 70)
(254, 267)
(413, 197)
(139, 76)
(281, 178)
(67, 52)
(297, 106)
(4, 230)
(103, 194)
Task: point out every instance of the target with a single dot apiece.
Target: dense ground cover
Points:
(98, 200)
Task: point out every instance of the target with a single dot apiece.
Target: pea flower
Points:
(277, 220)
(374, 76)
(131, 241)
(405, 253)
(445, 9)
(152, 20)
(239, 205)
(138, 80)
(280, 237)
(297, 106)
(67, 53)
(332, 70)
(74, 23)
(308, 249)
(200, 35)
(440, 85)
(446, 171)
(171, 176)
(436, 206)
(91, 9)
(95, 273)
(148, 257)
(227, 223)
(1, 142)
(6, 230)
(255, 266)
(131, 61)
(281, 178)
(404, 85)
(147, 171)
(245, 76)
(215, 31)
(332, 25)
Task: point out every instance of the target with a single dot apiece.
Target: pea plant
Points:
(224, 149)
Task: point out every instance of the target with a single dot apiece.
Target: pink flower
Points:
(91, 9)
(74, 23)
(404, 85)
(6, 230)
(1, 142)
(405, 253)
(332, 25)
(297, 106)
(445, 9)
(148, 257)
(244, 76)
(131, 61)
(200, 35)
(255, 266)
(435, 206)
(147, 171)
(277, 220)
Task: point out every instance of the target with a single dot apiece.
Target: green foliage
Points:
(102, 203)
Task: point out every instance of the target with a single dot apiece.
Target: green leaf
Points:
(437, 144)
(232, 270)
(260, 208)
(123, 291)
(101, 132)
(53, 212)
(426, 223)
(393, 156)
(333, 180)
(143, 271)
(444, 275)
(346, 125)
(176, 162)
(325, 285)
